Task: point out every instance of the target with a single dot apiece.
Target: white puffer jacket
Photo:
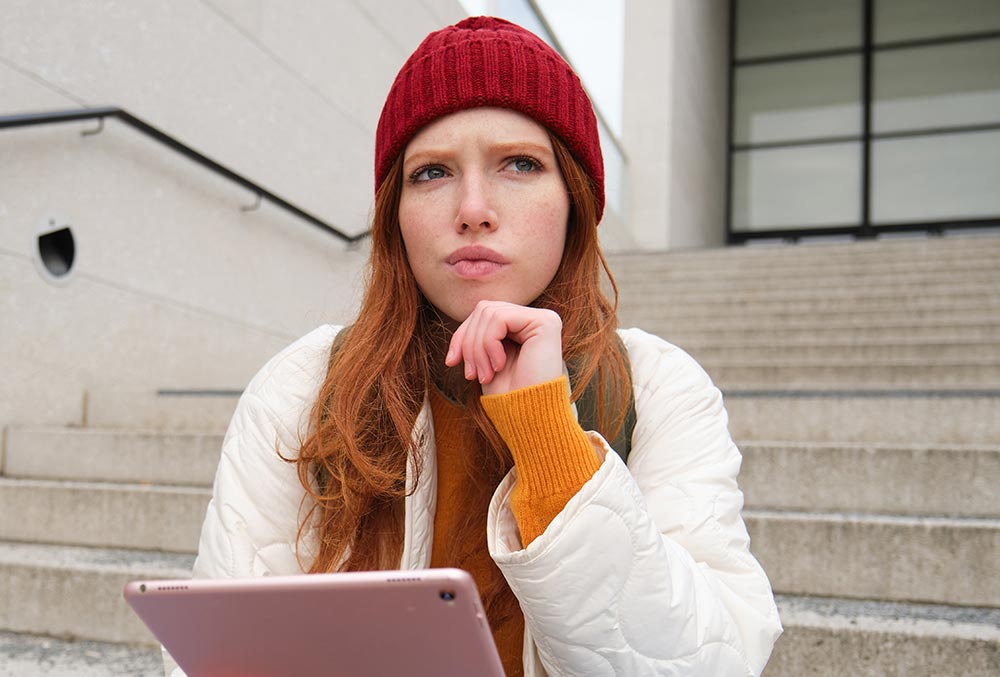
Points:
(647, 570)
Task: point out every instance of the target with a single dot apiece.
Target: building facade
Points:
(124, 265)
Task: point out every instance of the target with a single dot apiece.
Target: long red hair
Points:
(353, 463)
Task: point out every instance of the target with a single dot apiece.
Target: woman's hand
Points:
(505, 346)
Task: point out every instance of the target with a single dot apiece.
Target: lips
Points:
(475, 253)
(475, 261)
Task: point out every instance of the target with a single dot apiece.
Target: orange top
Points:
(553, 457)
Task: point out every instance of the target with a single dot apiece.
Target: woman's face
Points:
(484, 210)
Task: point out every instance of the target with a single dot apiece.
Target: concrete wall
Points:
(675, 113)
(173, 286)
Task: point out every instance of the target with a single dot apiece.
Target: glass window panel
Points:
(938, 86)
(797, 100)
(936, 178)
(774, 27)
(897, 20)
(800, 187)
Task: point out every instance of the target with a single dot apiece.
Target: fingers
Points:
(479, 343)
(488, 346)
(495, 334)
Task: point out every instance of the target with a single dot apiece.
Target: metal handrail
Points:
(52, 117)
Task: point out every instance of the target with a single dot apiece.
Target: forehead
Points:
(497, 125)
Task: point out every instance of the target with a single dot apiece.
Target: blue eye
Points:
(429, 173)
(525, 164)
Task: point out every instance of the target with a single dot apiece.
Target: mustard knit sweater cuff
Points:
(553, 456)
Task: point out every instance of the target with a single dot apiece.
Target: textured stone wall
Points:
(173, 286)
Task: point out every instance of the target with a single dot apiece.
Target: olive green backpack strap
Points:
(586, 406)
(338, 341)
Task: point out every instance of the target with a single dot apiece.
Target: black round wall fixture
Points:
(57, 250)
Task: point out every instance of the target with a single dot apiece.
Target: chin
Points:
(459, 312)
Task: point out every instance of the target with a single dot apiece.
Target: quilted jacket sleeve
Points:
(647, 571)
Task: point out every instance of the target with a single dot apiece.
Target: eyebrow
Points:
(516, 147)
(503, 148)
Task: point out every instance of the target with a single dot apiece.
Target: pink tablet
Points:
(417, 623)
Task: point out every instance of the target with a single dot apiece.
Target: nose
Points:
(476, 209)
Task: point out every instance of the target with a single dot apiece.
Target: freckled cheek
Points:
(547, 220)
(422, 222)
(543, 246)
(418, 253)
(544, 208)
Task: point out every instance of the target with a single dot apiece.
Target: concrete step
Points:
(651, 291)
(912, 245)
(905, 255)
(102, 514)
(940, 560)
(961, 324)
(915, 479)
(834, 637)
(76, 592)
(782, 284)
(897, 338)
(874, 352)
(808, 333)
(855, 415)
(653, 286)
(33, 655)
(637, 280)
(175, 411)
(709, 274)
(107, 455)
(856, 311)
(898, 373)
(671, 328)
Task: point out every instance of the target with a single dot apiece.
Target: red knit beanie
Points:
(485, 61)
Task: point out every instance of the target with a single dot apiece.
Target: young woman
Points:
(439, 429)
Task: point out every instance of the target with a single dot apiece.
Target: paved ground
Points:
(27, 656)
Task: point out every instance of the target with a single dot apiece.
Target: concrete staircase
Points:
(85, 510)
(863, 385)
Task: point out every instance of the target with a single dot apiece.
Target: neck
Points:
(450, 381)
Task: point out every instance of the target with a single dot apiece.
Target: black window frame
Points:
(867, 50)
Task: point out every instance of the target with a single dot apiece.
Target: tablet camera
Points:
(448, 595)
